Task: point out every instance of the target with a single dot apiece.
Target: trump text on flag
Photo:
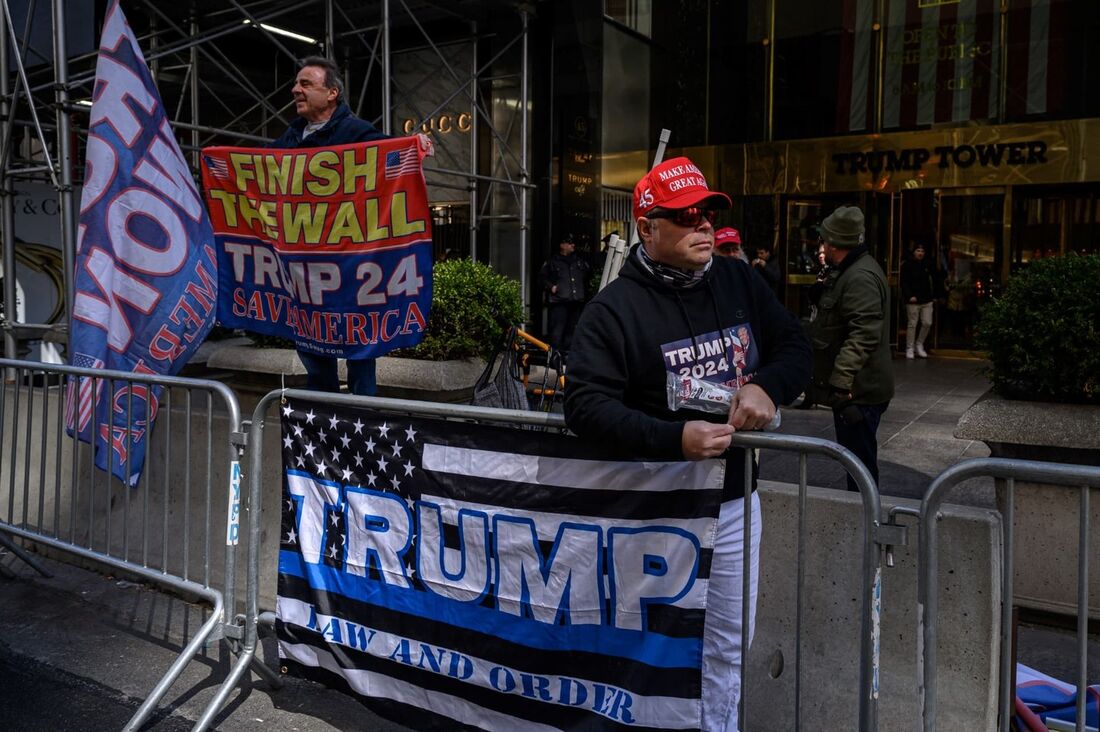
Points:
(330, 247)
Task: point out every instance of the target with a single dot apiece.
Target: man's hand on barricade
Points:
(751, 408)
(701, 440)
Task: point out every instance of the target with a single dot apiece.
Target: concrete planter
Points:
(1046, 522)
(263, 369)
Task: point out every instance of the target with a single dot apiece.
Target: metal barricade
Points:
(1084, 477)
(53, 496)
(876, 536)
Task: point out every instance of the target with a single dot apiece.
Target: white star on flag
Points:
(321, 468)
(309, 448)
(370, 445)
(332, 551)
(310, 417)
(396, 450)
(408, 469)
(288, 441)
(298, 459)
(291, 537)
(371, 478)
(297, 430)
(384, 429)
(382, 463)
(358, 425)
(334, 518)
(345, 474)
(345, 441)
(287, 409)
(358, 460)
(323, 435)
(410, 433)
(335, 455)
(332, 422)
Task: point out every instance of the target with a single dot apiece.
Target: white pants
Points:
(722, 632)
(924, 314)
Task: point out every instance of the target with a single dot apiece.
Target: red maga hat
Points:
(675, 183)
(726, 237)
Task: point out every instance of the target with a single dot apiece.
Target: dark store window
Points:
(823, 68)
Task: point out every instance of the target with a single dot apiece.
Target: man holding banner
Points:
(324, 118)
(325, 240)
(676, 313)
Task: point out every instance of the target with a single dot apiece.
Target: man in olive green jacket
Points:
(853, 373)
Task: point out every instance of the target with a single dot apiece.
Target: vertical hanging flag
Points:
(146, 273)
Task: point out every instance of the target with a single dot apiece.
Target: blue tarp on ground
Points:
(1050, 698)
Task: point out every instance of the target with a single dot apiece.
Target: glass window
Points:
(1050, 223)
(942, 62)
(823, 68)
(634, 14)
(970, 256)
(1051, 51)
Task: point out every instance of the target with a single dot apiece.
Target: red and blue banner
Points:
(329, 247)
(146, 273)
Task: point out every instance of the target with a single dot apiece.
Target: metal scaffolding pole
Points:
(67, 210)
(330, 32)
(195, 92)
(473, 143)
(387, 103)
(7, 202)
(524, 229)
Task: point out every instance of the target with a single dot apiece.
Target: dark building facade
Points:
(966, 125)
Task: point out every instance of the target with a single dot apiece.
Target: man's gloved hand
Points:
(849, 412)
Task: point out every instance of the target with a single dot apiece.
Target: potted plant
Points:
(1042, 335)
(472, 306)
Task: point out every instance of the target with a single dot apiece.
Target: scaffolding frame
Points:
(194, 46)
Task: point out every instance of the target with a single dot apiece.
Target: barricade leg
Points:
(18, 552)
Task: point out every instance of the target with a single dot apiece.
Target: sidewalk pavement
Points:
(915, 437)
(81, 650)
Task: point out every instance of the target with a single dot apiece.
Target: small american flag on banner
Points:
(79, 403)
(402, 162)
(217, 166)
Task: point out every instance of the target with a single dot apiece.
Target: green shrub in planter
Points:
(471, 307)
(1043, 332)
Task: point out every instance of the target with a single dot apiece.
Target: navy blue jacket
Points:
(342, 128)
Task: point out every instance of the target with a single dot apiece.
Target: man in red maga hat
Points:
(678, 312)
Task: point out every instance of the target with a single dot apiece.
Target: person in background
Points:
(918, 294)
(767, 266)
(564, 279)
(853, 372)
(727, 243)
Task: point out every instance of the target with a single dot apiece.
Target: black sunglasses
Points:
(689, 217)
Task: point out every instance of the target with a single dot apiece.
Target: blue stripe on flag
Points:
(648, 648)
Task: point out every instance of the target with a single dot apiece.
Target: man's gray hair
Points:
(333, 79)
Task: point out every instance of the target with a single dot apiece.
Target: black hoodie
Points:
(639, 328)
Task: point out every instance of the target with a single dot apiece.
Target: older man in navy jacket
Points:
(325, 119)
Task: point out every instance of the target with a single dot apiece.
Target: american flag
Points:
(218, 167)
(79, 404)
(410, 529)
(402, 162)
